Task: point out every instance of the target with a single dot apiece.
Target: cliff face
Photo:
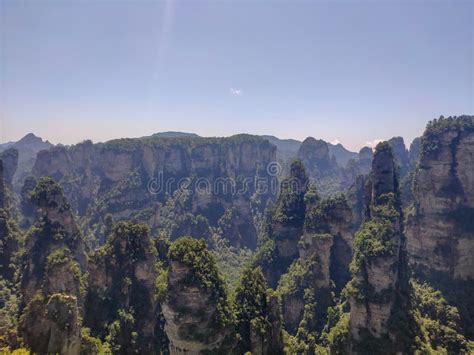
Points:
(9, 246)
(324, 255)
(52, 280)
(440, 228)
(131, 178)
(323, 169)
(271, 341)
(440, 231)
(9, 233)
(26, 148)
(286, 223)
(10, 165)
(378, 288)
(121, 291)
(195, 309)
(315, 156)
(414, 154)
(400, 154)
(365, 159)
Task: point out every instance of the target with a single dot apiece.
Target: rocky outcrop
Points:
(328, 233)
(321, 167)
(270, 342)
(131, 178)
(121, 290)
(9, 234)
(414, 153)
(406, 164)
(196, 312)
(286, 223)
(440, 228)
(27, 148)
(365, 159)
(440, 231)
(324, 255)
(400, 154)
(378, 289)
(357, 196)
(315, 156)
(52, 282)
(9, 246)
(341, 154)
(10, 165)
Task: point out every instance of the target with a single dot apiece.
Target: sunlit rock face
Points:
(440, 228)
(196, 312)
(133, 178)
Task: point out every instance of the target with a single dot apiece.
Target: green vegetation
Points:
(338, 338)
(231, 261)
(290, 207)
(187, 143)
(58, 257)
(430, 142)
(193, 253)
(320, 214)
(297, 277)
(121, 312)
(177, 220)
(11, 242)
(122, 337)
(48, 194)
(62, 309)
(9, 309)
(251, 306)
(438, 322)
(92, 345)
(457, 293)
(372, 240)
(132, 277)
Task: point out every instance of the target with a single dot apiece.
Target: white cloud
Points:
(373, 144)
(236, 92)
(335, 142)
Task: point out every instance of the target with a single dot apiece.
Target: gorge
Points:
(180, 244)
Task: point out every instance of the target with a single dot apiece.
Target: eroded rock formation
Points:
(197, 315)
(52, 282)
(441, 229)
(377, 292)
(131, 178)
(324, 251)
(122, 276)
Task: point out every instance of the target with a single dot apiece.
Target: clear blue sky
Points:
(352, 71)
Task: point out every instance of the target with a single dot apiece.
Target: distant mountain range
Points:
(286, 148)
(28, 147)
(29, 143)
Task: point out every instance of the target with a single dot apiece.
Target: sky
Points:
(344, 71)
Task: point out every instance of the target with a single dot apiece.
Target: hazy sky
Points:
(352, 71)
